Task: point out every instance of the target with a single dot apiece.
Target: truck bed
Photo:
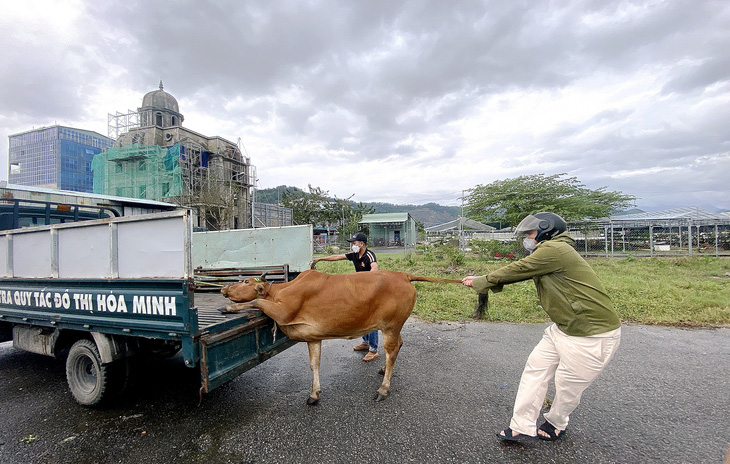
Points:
(208, 314)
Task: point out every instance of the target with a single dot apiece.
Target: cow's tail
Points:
(418, 278)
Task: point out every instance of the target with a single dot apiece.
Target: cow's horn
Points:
(263, 276)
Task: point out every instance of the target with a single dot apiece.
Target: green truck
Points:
(101, 292)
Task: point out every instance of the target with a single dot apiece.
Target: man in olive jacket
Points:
(584, 335)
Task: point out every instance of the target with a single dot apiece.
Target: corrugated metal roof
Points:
(384, 217)
(468, 224)
(687, 212)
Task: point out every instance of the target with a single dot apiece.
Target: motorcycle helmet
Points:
(547, 225)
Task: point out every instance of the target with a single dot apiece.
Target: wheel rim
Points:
(86, 374)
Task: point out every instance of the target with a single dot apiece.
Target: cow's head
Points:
(247, 290)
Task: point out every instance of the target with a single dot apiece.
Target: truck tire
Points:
(88, 379)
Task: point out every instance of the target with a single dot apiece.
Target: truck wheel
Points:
(87, 377)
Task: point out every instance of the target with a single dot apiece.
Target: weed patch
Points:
(683, 291)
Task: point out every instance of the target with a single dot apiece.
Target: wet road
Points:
(664, 398)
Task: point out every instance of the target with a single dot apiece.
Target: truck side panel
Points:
(127, 276)
(254, 248)
(158, 309)
(137, 247)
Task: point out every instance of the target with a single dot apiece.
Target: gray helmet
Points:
(547, 225)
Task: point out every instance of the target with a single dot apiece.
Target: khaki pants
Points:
(575, 362)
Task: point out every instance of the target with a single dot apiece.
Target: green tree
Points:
(510, 200)
(350, 213)
(318, 208)
(308, 207)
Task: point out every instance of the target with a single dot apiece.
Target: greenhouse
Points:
(679, 231)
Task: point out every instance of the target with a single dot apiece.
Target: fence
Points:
(267, 215)
(339, 245)
(655, 238)
(677, 237)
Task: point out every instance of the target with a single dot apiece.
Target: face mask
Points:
(529, 243)
(355, 248)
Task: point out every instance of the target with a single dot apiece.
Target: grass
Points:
(683, 291)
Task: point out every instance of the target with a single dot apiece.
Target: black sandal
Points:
(509, 436)
(552, 432)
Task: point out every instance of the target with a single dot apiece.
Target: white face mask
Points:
(355, 248)
(529, 243)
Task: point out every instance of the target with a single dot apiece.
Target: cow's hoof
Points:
(312, 401)
(223, 310)
(379, 398)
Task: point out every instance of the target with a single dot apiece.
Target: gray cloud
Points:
(700, 76)
(400, 80)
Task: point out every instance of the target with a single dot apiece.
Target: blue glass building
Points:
(55, 157)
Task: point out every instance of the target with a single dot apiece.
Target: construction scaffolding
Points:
(155, 157)
(215, 185)
(139, 171)
(119, 123)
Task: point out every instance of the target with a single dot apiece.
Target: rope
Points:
(212, 284)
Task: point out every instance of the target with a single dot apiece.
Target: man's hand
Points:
(467, 281)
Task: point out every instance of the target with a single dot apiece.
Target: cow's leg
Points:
(237, 307)
(392, 343)
(400, 343)
(315, 353)
(277, 311)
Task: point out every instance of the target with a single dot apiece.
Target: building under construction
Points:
(155, 157)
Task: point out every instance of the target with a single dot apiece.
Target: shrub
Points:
(453, 256)
(494, 248)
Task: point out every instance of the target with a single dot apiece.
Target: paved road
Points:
(664, 398)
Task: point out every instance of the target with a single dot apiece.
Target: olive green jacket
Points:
(568, 288)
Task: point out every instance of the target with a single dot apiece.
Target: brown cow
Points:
(317, 306)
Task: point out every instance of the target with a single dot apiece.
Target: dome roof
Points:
(160, 99)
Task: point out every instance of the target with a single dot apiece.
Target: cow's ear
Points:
(260, 289)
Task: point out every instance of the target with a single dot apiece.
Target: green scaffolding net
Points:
(139, 171)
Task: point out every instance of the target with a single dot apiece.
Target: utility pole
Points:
(461, 223)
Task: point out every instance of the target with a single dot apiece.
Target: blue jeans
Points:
(372, 340)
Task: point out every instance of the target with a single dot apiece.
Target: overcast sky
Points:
(400, 101)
